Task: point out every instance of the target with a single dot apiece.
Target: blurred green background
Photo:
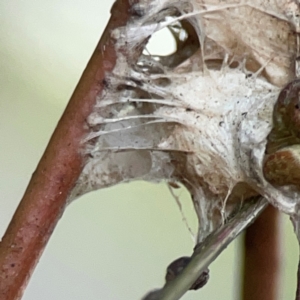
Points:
(110, 244)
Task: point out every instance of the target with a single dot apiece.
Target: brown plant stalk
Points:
(262, 257)
(45, 198)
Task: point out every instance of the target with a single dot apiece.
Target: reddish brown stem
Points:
(261, 257)
(45, 197)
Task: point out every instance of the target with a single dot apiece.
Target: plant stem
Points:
(46, 196)
(261, 257)
(211, 248)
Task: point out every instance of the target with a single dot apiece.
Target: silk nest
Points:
(201, 115)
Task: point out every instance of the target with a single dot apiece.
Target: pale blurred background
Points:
(112, 244)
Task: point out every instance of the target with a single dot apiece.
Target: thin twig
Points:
(45, 198)
(211, 248)
(262, 257)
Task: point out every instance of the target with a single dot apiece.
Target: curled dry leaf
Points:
(200, 116)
